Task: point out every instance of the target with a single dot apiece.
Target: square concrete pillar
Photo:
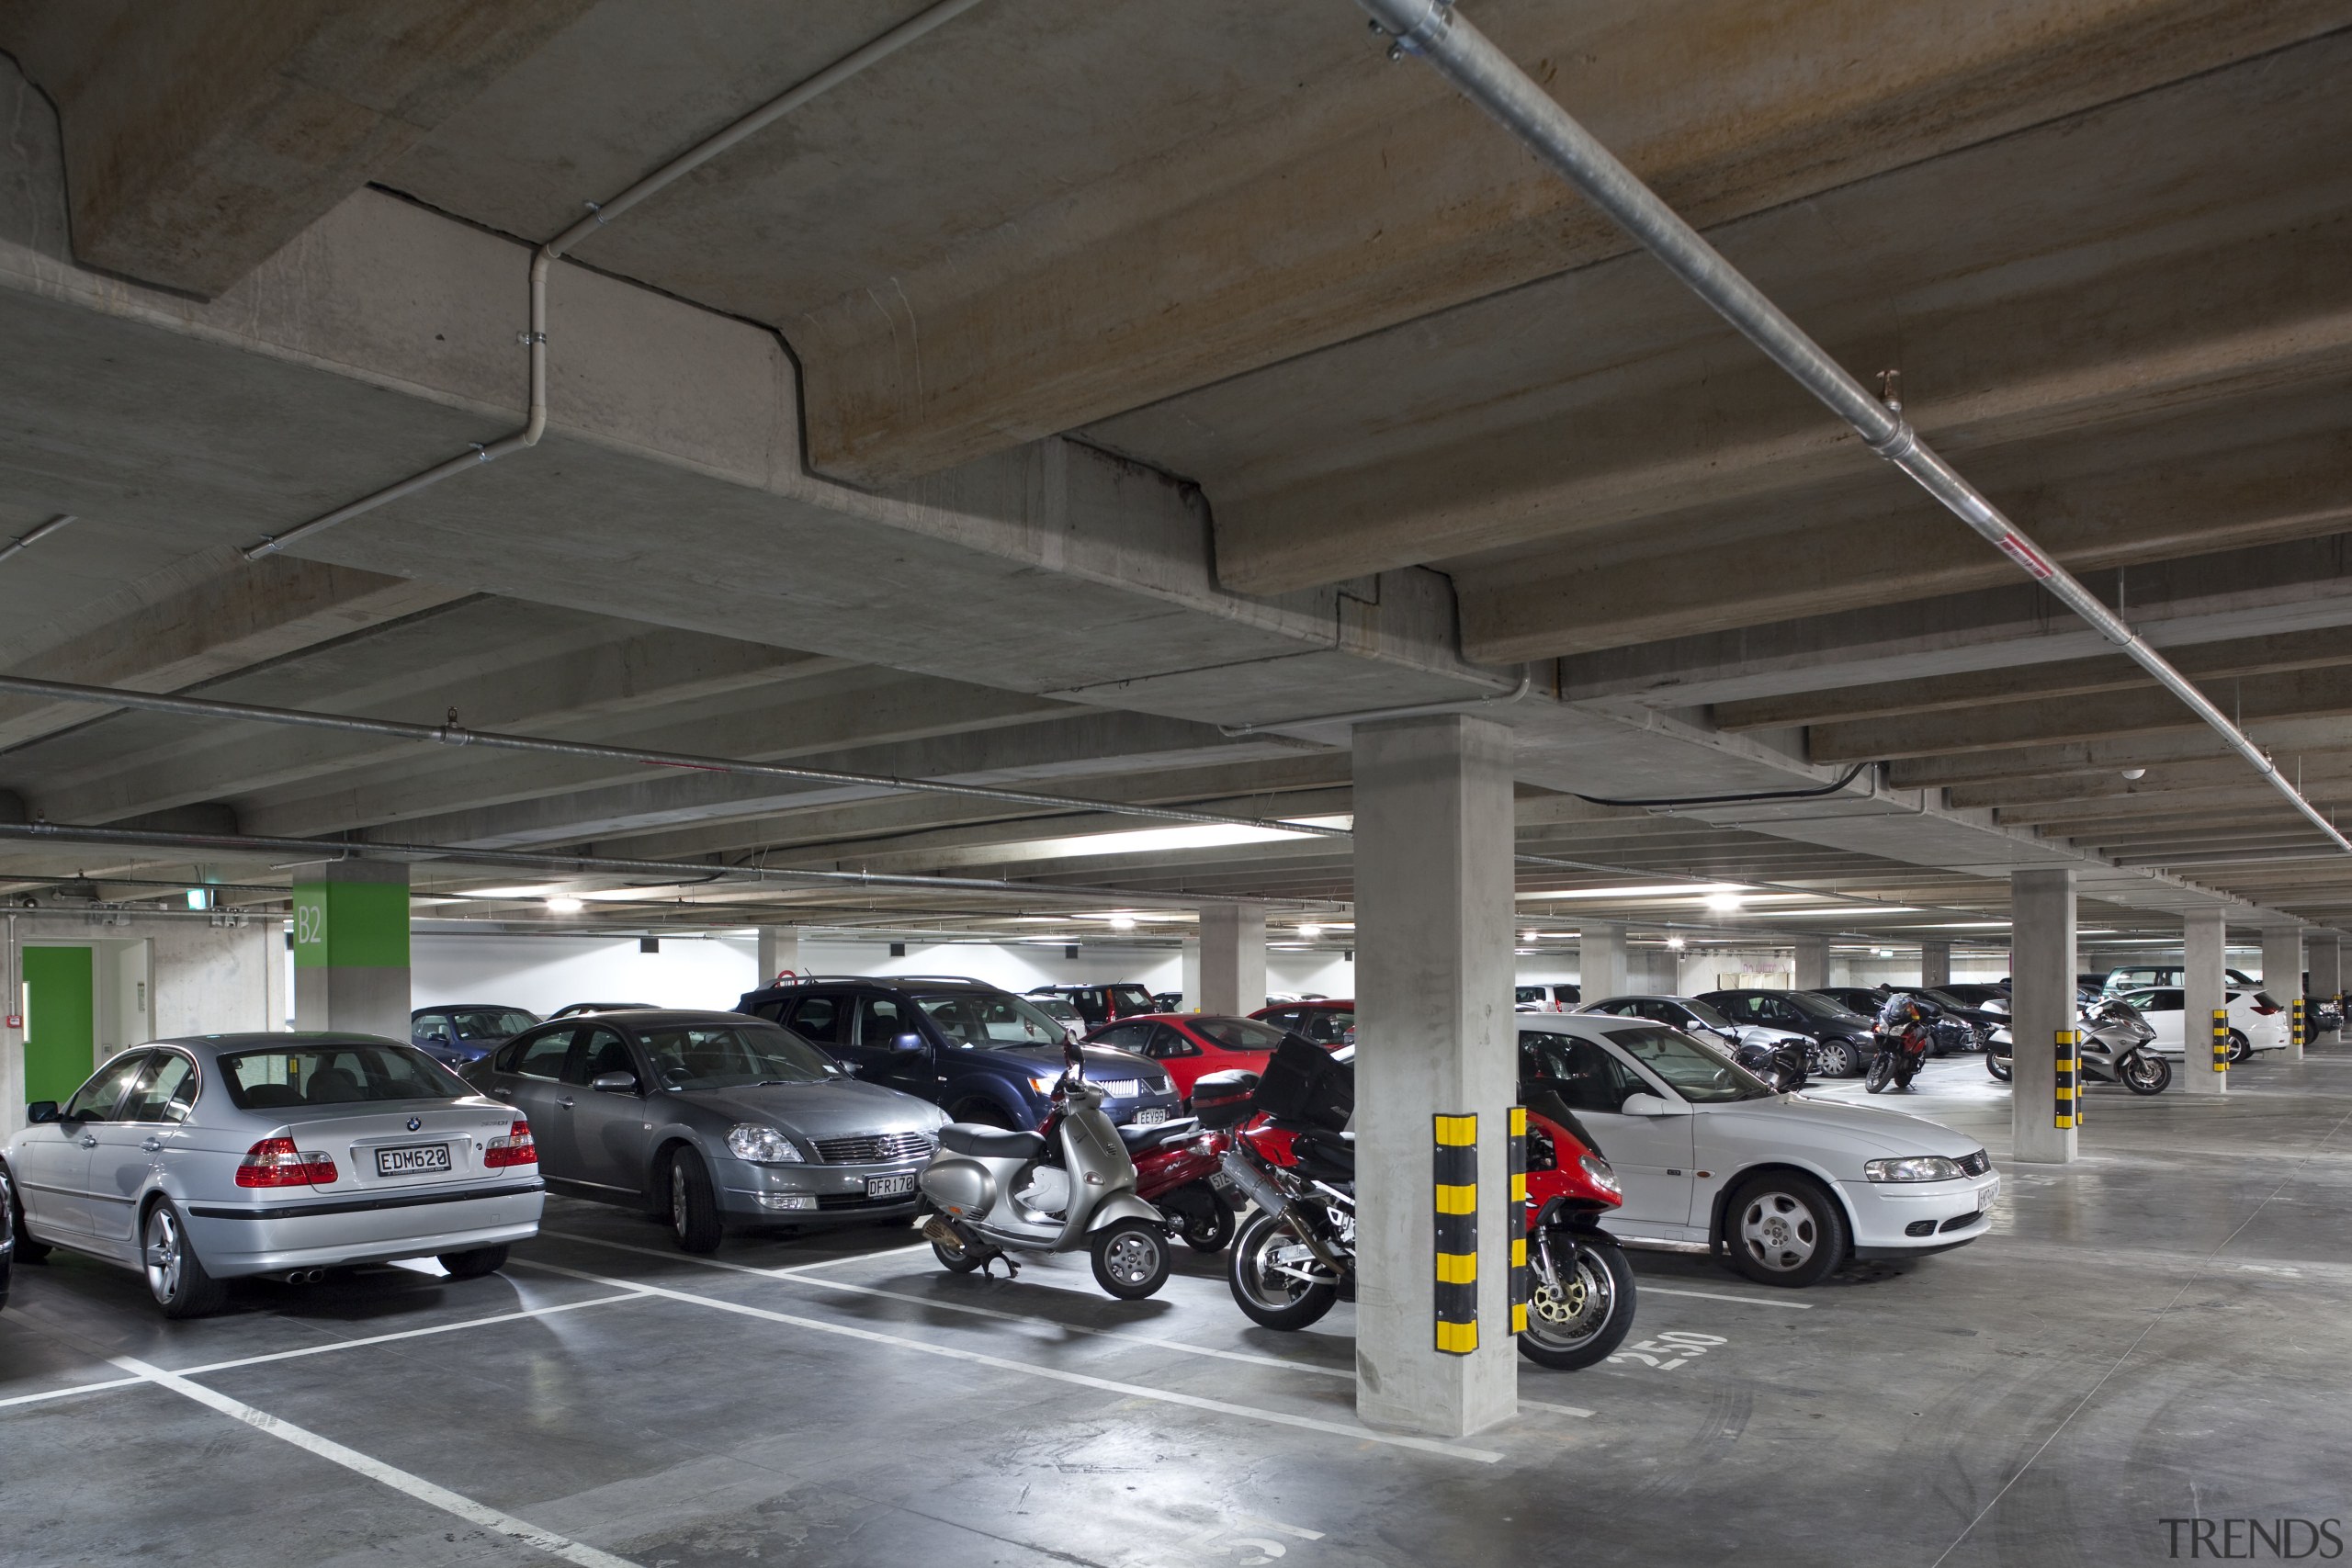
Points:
(2041, 1002)
(2205, 941)
(1436, 1036)
(779, 953)
(2282, 977)
(1233, 959)
(1192, 974)
(2325, 962)
(1812, 971)
(1935, 964)
(351, 960)
(1600, 960)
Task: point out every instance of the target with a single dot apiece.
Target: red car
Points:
(1190, 1043)
(1327, 1023)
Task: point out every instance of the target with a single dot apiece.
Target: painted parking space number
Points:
(1679, 1349)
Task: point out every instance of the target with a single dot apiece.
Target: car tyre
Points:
(1130, 1259)
(2241, 1048)
(1268, 1301)
(28, 1249)
(1783, 1229)
(474, 1263)
(694, 1202)
(176, 1276)
(1592, 1313)
(1836, 1059)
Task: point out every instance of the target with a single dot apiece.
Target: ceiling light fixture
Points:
(564, 906)
(1310, 930)
(1123, 922)
(1675, 943)
(1724, 903)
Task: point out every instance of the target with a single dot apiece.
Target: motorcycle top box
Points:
(1224, 1100)
(1303, 1083)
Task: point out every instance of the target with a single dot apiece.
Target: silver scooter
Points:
(988, 1192)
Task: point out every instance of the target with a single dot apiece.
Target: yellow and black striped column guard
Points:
(2302, 1039)
(2221, 1040)
(2069, 1089)
(1457, 1233)
(1517, 1215)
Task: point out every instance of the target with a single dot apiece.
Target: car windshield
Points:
(1237, 1033)
(1815, 1006)
(334, 1074)
(990, 1018)
(490, 1023)
(1707, 1015)
(727, 1056)
(1696, 1071)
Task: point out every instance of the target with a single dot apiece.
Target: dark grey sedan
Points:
(708, 1119)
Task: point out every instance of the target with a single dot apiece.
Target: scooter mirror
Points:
(1074, 1059)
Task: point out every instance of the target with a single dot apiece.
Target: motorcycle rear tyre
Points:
(1261, 1232)
(1211, 1232)
(1999, 1066)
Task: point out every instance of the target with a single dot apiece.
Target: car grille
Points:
(874, 1148)
(1119, 1088)
(1976, 1164)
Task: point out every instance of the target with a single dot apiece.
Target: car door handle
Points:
(501, 1094)
(89, 1142)
(152, 1145)
(565, 1102)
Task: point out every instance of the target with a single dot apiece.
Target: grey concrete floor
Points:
(2157, 1331)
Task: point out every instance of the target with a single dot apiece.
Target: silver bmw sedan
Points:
(201, 1160)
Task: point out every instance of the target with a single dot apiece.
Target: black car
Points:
(1863, 1000)
(1843, 1039)
(979, 1052)
(465, 1032)
(708, 1119)
(1771, 1055)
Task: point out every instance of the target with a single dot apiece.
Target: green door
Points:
(61, 1032)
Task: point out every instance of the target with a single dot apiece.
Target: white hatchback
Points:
(2256, 1021)
(1708, 1156)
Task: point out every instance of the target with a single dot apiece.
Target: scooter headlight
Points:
(762, 1145)
(1602, 1176)
(1913, 1167)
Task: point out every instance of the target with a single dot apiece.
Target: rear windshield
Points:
(1814, 1006)
(985, 1018)
(723, 1056)
(1707, 1015)
(1697, 1073)
(490, 1023)
(334, 1074)
(1237, 1034)
(1131, 999)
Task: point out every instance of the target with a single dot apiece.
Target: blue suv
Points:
(980, 1054)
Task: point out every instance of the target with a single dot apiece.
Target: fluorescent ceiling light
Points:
(1123, 922)
(1724, 903)
(1855, 909)
(539, 891)
(1310, 930)
(1149, 841)
(1659, 890)
(564, 906)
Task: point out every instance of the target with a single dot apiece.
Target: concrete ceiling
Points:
(1088, 376)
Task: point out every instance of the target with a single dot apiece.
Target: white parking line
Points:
(1278, 1362)
(1028, 1369)
(1278, 1525)
(321, 1349)
(1722, 1296)
(376, 1470)
(1555, 1409)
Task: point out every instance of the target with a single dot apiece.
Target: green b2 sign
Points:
(351, 925)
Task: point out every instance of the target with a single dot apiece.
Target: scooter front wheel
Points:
(1584, 1313)
(1130, 1259)
(1265, 1273)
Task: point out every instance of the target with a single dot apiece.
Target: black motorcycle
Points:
(1905, 1034)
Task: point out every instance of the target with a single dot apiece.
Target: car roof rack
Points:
(783, 981)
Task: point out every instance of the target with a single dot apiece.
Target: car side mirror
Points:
(906, 1043)
(1642, 1103)
(41, 1111)
(614, 1083)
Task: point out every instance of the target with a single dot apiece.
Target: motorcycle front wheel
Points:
(1881, 1074)
(1266, 1296)
(1584, 1314)
(1997, 1065)
(2147, 1073)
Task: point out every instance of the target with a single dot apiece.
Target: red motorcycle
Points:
(1177, 1173)
(1580, 1294)
(1905, 1033)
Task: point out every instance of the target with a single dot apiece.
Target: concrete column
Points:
(1600, 960)
(2282, 976)
(1192, 981)
(2204, 944)
(351, 947)
(1935, 964)
(2326, 965)
(779, 951)
(1812, 970)
(1233, 959)
(2041, 1002)
(1436, 1036)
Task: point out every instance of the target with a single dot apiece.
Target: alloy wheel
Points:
(1779, 1231)
(165, 1252)
(678, 1198)
(1133, 1258)
(1566, 1312)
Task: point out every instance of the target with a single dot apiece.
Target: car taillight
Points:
(276, 1162)
(515, 1148)
(2266, 1009)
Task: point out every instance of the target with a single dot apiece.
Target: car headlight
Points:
(763, 1145)
(1913, 1168)
(1044, 1085)
(1163, 1085)
(1602, 1176)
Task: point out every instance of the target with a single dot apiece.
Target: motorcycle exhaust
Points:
(1245, 1175)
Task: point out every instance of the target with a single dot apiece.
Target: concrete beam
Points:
(2280, 737)
(204, 135)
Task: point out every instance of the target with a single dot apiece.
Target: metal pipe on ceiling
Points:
(454, 734)
(1488, 78)
(27, 541)
(599, 214)
(315, 850)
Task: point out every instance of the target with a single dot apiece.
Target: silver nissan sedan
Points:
(201, 1160)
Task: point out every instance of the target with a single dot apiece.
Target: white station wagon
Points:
(201, 1160)
(1708, 1156)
